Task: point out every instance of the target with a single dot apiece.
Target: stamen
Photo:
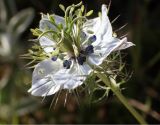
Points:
(89, 49)
(93, 38)
(81, 59)
(67, 64)
(54, 58)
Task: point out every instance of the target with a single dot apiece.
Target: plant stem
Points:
(123, 100)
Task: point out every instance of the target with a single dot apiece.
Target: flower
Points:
(80, 45)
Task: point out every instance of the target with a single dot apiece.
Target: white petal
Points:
(38, 84)
(125, 44)
(45, 24)
(41, 80)
(47, 44)
(73, 77)
(92, 25)
(102, 51)
(95, 59)
(101, 26)
(59, 20)
(42, 89)
(106, 28)
(45, 68)
(53, 90)
(85, 69)
(50, 76)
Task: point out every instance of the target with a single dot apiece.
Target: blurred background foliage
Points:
(142, 90)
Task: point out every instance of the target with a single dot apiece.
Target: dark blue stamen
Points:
(67, 64)
(89, 49)
(81, 59)
(93, 38)
(54, 58)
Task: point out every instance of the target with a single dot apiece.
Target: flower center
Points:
(82, 55)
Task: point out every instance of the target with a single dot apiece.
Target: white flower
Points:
(69, 72)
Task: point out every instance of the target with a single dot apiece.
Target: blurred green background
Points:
(142, 90)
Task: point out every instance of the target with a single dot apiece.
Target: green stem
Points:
(123, 100)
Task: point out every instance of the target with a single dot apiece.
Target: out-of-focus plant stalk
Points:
(123, 100)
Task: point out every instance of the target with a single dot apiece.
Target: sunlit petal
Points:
(102, 51)
(47, 44)
(45, 24)
(125, 44)
(100, 26)
(50, 76)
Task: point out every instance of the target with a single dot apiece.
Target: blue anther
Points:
(67, 64)
(89, 49)
(54, 58)
(93, 38)
(81, 59)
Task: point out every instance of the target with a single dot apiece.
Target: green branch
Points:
(123, 100)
